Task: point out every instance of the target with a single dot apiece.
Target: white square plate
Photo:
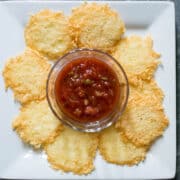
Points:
(144, 18)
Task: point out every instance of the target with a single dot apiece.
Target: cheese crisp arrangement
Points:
(48, 36)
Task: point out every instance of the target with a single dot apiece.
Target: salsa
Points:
(87, 89)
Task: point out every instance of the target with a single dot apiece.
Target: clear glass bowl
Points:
(98, 125)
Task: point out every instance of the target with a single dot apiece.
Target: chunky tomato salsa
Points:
(87, 89)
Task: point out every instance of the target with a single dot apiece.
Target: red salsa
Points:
(87, 89)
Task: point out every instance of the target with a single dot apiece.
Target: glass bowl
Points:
(102, 123)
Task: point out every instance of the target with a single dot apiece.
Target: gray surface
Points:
(177, 7)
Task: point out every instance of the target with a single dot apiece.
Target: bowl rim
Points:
(79, 50)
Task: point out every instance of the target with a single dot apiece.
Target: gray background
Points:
(177, 8)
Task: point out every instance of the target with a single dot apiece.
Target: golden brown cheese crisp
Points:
(143, 121)
(96, 26)
(48, 33)
(115, 149)
(147, 88)
(137, 57)
(36, 124)
(26, 74)
(73, 151)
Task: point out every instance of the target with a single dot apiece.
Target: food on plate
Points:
(147, 88)
(36, 124)
(48, 32)
(116, 149)
(87, 89)
(73, 151)
(143, 121)
(96, 26)
(137, 57)
(26, 74)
